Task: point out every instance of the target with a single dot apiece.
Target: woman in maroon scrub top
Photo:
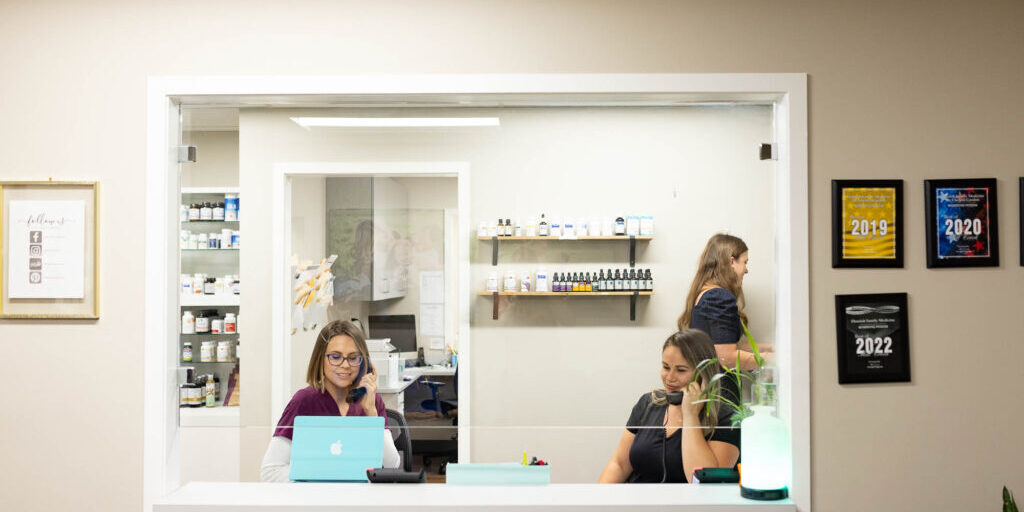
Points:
(339, 385)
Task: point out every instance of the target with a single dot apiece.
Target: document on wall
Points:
(46, 250)
(432, 287)
(432, 319)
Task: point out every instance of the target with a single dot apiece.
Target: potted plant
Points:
(763, 436)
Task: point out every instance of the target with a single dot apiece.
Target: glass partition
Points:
(582, 237)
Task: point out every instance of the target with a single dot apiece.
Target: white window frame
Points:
(787, 92)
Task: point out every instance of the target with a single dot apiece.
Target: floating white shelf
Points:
(210, 190)
(209, 416)
(210, 300)
(568, 294)
(559, 239)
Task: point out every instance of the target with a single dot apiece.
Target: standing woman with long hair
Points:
(715, 301)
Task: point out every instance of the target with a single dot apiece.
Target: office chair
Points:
(447, 449)
(400, 435)
(435, 403)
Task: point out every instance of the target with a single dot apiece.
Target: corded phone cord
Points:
(664, 441)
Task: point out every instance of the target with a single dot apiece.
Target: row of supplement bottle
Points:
(630, 225)
(622, 280)
(212, 211)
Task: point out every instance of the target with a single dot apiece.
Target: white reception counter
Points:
(305, 497)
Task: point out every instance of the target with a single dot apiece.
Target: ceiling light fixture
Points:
(394, 122)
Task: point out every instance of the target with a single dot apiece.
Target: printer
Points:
(385, 360)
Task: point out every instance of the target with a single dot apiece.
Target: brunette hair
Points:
(715, 269)
(696, 346)
(315, 370)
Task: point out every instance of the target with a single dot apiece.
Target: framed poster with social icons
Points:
(873, 341)
(961, 222)
(867, 223)
(49, 250)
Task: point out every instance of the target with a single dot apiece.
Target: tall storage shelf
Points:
(632, 294)
(215, 263)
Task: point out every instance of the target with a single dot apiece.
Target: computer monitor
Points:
(400, 328)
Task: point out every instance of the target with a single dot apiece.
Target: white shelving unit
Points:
(213, 262)
(209, 190)
(199, 301)
(209, 416)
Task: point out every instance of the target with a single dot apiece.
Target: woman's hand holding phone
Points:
(369, 382)
(691, 399)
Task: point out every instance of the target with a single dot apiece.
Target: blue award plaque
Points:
(961, 223)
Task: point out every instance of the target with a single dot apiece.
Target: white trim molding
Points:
(786, 92)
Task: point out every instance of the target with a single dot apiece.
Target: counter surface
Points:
(246, 496)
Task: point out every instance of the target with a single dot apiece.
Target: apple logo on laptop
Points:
(336, 447)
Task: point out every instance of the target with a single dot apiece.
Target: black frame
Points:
(838, 228)
(900, 373)
(930, 187)
(1021, 224)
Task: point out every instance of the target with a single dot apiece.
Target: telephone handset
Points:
(676, 398)
(357, 394)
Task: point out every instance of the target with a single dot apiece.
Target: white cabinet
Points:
(368, 228)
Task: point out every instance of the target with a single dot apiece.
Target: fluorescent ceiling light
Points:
(393, 122)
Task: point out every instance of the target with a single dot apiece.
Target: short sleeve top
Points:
(716, 313)
(646, 452)
(310, 402)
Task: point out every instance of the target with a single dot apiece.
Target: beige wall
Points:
(907, 89)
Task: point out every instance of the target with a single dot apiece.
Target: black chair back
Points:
(400, 435)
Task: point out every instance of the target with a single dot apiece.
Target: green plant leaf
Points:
(753, 345)
(1009, 505)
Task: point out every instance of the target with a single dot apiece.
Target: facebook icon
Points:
(35, 237)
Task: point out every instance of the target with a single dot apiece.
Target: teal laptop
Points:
(336, 448)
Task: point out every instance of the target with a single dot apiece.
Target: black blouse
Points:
(646, 452)
(716, 313)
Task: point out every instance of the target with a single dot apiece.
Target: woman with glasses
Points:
(665, 442)
(342, 382)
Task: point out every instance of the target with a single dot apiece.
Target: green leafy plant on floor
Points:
(1009, 505)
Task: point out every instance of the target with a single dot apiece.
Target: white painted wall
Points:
(308, 225)
(694, 169)
(216, 162)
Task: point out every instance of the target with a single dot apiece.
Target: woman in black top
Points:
(715, 301)
(654, 448)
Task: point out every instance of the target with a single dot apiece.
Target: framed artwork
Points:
(961, 223)
(49, 250)
(872, 338)
(867, 223)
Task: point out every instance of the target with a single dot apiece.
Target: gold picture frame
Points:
(87, 307)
